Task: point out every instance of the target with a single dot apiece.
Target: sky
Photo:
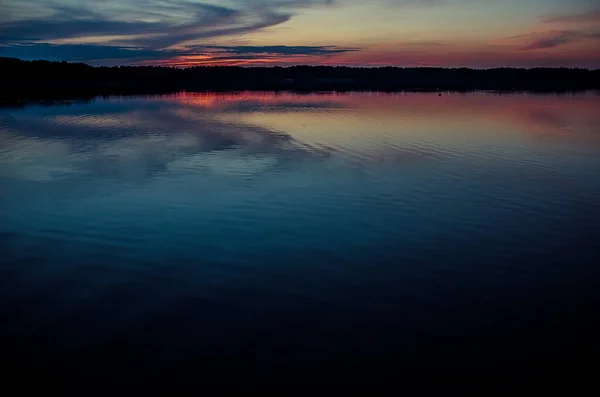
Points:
(447, 33)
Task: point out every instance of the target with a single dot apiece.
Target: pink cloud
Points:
(476, 56)
(553, 39)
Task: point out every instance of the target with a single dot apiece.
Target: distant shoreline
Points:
(43, 80)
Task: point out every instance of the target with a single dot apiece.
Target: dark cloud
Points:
(173, 22)
(159, 25)
(59, 29)
(195, 31)
(96, 54)
(553, 40)
(79, 52)
(71, 22)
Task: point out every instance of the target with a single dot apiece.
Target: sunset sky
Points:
(449, 33)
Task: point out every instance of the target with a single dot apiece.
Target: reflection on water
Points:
(275, 231)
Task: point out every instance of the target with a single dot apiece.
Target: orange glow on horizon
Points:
(473, 56)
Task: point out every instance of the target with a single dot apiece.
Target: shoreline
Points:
(26, 80)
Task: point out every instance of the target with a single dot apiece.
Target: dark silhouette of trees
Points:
(23, 79)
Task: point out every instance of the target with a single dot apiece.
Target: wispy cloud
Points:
(164, 22)
(101, 54)
(556, 38)
(467, 56)
(135, 31)
(186, 32)
(281, 49)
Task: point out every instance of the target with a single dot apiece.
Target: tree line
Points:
(27, 78)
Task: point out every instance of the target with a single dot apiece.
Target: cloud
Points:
(79, 52)
(282, 50)
(69, 22)
(99, 54)
(164, 23)
(476, 57)
(186, 33)
(586, 17)
(183, 32)
(557, 38)
(554, 39)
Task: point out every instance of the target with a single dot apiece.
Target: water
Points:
(270, 236)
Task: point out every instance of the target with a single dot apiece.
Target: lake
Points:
(254, 236)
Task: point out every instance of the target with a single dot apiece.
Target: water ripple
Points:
(367, 221)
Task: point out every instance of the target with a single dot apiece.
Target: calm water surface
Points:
(273, 234)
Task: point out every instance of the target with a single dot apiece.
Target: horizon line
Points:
(301, 65)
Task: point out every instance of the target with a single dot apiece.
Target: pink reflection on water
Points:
(568, 116)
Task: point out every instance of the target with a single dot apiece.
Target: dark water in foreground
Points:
(259, 236)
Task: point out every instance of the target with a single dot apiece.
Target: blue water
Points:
(268, 236)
